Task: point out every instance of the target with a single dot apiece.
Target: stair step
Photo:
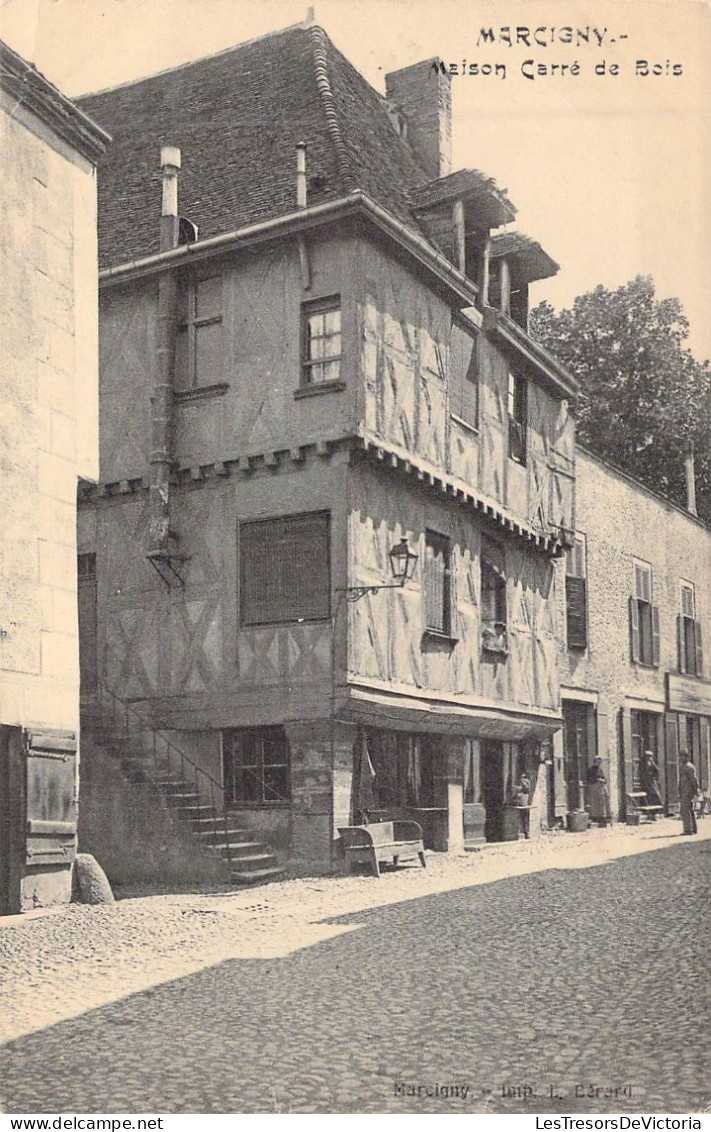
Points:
(245, 851)
(257, 875)
(218, 835)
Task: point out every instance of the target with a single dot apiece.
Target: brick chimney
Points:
(424, 95)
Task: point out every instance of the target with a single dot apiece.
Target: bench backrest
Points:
(381, 832)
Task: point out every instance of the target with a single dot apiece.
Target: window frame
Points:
(644, 617)
(191, 324)
(494, 632)
(297, 617)
(517, 413)
(258, 735)
(326, 305)
(435, 540)
(690, 655)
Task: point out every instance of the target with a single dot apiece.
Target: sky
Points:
(610, 171)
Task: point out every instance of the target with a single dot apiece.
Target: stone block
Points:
(56, 389)
(64, 435)
(64, 612)
(61, 349)
(60, 654)
(57, 565)
(57, 477)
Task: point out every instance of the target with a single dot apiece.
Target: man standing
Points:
(688, 789)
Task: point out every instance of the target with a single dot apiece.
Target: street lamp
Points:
(402, 563)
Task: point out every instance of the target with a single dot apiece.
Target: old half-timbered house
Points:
(49, 437)
(323, 360)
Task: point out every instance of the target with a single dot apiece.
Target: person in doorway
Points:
(649, 780)
(521, 798)
(596, 796)
(688, 789)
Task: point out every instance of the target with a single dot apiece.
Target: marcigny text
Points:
(546, 37)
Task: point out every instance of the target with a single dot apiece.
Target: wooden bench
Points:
(379, 841)
(637, 807)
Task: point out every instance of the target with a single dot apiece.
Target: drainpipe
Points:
(690, 479)
(162, 401)
(304, 261)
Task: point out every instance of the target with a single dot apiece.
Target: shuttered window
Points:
(576, 596)
(464, 375)
(438, 583)
(689, 634)
(644, 618)
(285, 572)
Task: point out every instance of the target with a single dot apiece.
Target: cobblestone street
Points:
(575, 960)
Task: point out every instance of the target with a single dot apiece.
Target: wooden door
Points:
(493, 788)
(52, 786)
(12, 810)
(86, 594)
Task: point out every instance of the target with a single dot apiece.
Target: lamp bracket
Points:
(355, 593)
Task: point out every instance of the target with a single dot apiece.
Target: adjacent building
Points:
(318, 358)
(49, 418)
(635, 607)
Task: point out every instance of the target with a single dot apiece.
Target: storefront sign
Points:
(689, 694)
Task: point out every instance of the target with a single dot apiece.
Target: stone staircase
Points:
(147, 757)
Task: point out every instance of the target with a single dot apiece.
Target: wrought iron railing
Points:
(161, 754)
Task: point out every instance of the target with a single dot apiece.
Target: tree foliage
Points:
(643, 394)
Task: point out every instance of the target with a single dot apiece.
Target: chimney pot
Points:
(170, 164)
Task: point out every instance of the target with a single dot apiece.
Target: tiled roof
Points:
(533, 261)
(237, 117)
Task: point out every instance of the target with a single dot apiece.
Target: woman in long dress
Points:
(597, 799)
(649, 780)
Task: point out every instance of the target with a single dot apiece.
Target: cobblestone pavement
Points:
(572, 961)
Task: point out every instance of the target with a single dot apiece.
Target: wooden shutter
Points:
(699, 649)
(627, 755)
(437, 582)
(656, 644)
(681, 642)
(285, 570)
(634, 628)
(51, 797)
(705, 759)
(671, 761)
(576, 612)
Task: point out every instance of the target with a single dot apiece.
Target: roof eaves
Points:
(29, 86)
(294, 222)
(546, 365)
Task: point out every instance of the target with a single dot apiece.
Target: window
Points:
(256, 765)
(644, 618)
(689, 633)
(285, 572)
(493, 598)
(464, 385)
(576, 600)
(518, 417)
(199, 345)
(438, 584)
(321, 342)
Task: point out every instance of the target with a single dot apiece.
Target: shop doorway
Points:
(493, 788)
